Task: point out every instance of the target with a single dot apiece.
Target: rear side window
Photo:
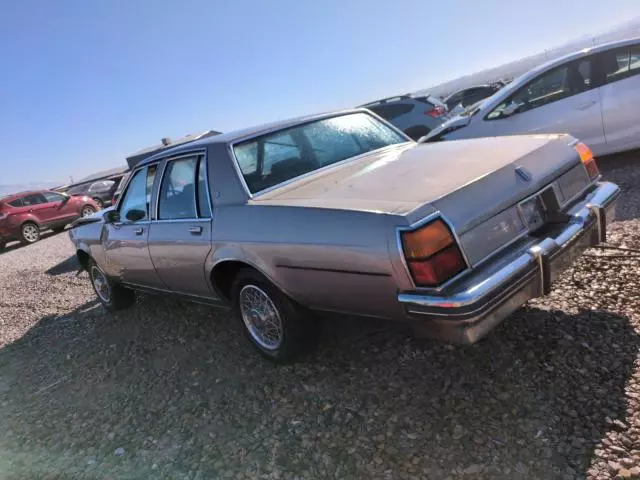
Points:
(33, 199)
(17, 203)
(178, 190)
(389, 112)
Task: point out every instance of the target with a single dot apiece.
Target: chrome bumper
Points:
(467, 315)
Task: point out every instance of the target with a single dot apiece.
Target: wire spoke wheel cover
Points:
(30, 232)
(261, 317)
(100, 284)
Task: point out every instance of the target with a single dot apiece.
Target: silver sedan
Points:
(342, 212)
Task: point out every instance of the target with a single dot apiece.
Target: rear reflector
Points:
(440, 267)
(587, 159)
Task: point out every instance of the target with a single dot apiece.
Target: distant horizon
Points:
(102, 81)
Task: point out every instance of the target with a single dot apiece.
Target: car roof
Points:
(13, 196)
(247, 133)
(535, 71)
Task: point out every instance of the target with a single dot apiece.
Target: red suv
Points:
(24, 215)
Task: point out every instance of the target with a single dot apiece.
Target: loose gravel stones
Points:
(170, 389)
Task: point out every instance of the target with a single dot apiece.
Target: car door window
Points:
(53, 197)
(204, 205)
(177, 192)
(557, 84)
(33, 199)
(16, 203)
(138, 195)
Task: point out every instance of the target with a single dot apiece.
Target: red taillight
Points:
(432, 254)
(436, 112)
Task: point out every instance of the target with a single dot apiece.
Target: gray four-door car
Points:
(344, 213)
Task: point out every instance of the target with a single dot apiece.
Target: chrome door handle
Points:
(195, 230)
(138, 231)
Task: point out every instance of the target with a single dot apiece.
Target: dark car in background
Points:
(101, 191)
(471, 95)
(24, 215)
(415, 115)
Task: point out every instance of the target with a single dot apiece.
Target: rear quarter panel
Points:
(325, 259)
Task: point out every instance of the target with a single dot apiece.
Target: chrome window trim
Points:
(183, 220)
(199, 154)
(231, 146)
(423, 221)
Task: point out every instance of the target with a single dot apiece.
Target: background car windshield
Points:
(281, 156)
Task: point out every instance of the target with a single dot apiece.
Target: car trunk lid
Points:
(467, 180)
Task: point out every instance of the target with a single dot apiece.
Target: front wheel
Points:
(99, 202)
(113, 296)
(273, 323)
(87, 210)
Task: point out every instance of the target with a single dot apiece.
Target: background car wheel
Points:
(279, 328)
(99, 202)
(113, 296)
(29, 233)
(87, 210)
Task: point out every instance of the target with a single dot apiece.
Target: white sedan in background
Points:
(593, 94)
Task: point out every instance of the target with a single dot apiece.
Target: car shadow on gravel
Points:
(171, 389)
(15, 245)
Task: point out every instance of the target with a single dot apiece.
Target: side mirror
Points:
(66, 197)
(135, 215)
(112, 216)
(511, 109)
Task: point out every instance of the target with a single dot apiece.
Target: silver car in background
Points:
(342, 212)
(593, 94)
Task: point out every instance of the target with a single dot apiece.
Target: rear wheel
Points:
(87, 210)
(113, 296)
(29, 233)
(276, 326)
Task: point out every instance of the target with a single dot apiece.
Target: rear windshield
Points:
(280, 156)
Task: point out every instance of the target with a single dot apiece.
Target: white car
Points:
(593, 94)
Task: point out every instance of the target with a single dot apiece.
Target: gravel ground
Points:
(171, 390)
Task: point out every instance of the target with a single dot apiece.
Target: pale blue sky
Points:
(84, 83)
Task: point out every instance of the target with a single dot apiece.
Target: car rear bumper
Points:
(467, 315)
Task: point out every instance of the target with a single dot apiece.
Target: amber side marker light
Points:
(589, 162)
(432, 254)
